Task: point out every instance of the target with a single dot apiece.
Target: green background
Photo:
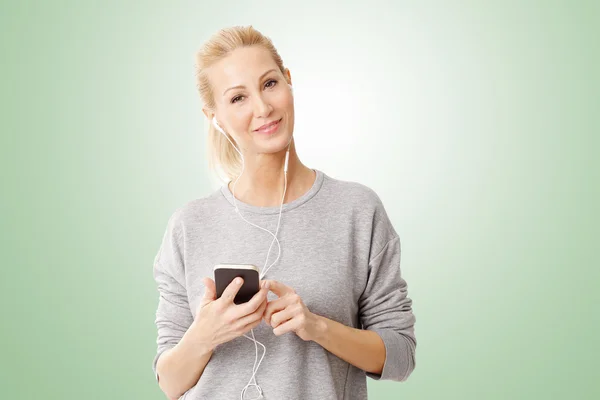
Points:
(475, 122)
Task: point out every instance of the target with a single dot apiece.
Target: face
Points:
(250, 91)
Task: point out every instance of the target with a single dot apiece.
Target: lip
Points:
(270, 127)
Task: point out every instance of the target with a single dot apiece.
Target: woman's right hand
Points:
(221, 320)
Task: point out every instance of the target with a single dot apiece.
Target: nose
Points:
(262, 108)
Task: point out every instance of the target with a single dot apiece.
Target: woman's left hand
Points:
(288, 313)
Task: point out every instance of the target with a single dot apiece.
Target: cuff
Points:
(155, 361)
(399, 357)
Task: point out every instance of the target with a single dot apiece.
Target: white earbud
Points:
(216, 124)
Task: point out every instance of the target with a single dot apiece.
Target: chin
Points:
(274, 144)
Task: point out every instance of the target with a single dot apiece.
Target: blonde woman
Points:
(333, 308)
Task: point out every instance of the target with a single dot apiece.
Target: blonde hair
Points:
(221, 154)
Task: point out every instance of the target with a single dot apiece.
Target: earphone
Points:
(285, 168)
(263, 271)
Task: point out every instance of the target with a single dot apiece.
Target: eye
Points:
(269, 84)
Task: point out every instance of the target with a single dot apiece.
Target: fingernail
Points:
(238, 281)
(266, 284)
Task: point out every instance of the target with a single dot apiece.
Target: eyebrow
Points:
(242, 86)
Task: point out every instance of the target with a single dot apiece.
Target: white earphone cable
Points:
(263, 270)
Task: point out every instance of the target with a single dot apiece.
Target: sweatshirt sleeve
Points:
(385, 308)
(173, 315)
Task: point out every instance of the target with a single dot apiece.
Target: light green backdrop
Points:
(476, 123)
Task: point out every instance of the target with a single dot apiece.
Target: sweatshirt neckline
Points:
(314, 189)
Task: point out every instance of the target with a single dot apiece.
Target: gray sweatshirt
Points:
(339, 252)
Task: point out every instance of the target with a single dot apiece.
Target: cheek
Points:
(241, 119)
(287, 102)
(281, 101)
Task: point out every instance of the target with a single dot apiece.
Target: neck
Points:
(261, 183)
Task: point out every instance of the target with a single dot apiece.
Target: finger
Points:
(210, 292)
(250, 326)
(231, 290)
(275, 306)
(290, 326)
(261, 309)
(255, 316)
(284, 315)
(279, 288)
(254, 303)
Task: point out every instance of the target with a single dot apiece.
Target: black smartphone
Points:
(226, 273)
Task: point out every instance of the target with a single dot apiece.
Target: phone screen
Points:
(226, 273)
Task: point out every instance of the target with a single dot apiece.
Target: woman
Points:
(334, 307)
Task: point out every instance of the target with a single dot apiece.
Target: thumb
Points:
(279, 288)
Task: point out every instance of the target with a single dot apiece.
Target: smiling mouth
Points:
(270, 128)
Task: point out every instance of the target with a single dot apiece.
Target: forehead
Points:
(242, 66)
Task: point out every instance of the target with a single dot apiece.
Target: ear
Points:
(288, 76)
(208, 113)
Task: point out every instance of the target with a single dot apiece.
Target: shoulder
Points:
(353, 193)
(195, 210)
(363, 205)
